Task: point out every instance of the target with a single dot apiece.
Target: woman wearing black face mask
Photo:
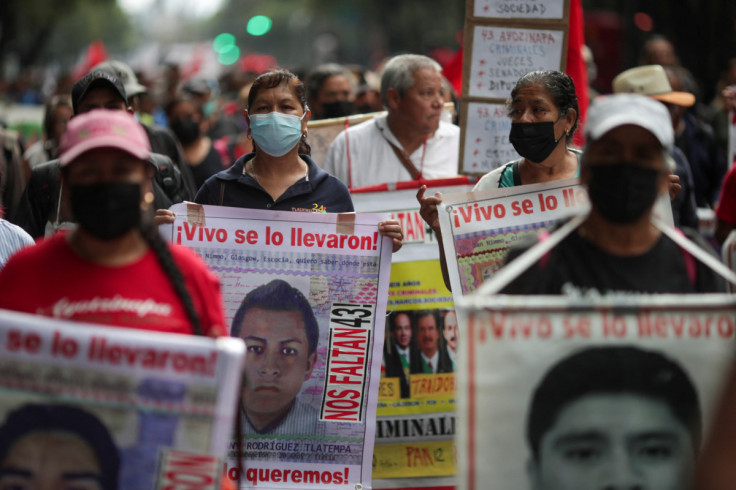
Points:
(113, 268)
(185, 120)
(544, 110)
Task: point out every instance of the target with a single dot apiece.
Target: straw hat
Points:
(651, 80)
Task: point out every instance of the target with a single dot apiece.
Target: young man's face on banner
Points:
(614, 441)
(277, 360)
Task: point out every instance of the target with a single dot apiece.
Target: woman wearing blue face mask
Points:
(279, 174)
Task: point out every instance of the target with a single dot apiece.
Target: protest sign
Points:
(313, 288)
(479, 227)
(127, 398)
(504, 40)
(552, 389)
(486, 137)
(415, 426)
(519, 9)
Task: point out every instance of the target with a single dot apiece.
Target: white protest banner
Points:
(555, 392)
(519, 9)
(486, 137)
(504, 40)
(502, 55)
(307, 292)
(126, 397)
(478, 227)
(415, 426)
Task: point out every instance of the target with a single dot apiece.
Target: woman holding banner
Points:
(544, 110)
(279, 174)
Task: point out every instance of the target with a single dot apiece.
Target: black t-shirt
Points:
(577, 265)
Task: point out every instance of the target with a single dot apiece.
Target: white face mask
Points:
(276, 133)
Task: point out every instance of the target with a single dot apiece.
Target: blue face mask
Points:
(276, 133)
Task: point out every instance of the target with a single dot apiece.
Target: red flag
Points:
(576, 65)
(96, 54)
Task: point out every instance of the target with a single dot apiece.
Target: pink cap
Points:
(103, 128)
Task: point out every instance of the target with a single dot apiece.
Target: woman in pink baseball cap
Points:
(113, 268)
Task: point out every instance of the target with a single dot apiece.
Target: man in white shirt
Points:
(410, 142)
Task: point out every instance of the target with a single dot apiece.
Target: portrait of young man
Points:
(281, 334)
(614, 417)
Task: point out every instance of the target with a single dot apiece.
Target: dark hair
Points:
(422, 313)
(182, 98)
(316, 78)
(395, 316)
(559, 85)
(278, 295)
(613, 370)
(47, 417)
(273, 79)
(172, 271)
(50, 108)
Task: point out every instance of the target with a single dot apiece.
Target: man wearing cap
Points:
(93, 273)
(693, 143)
(41, 211)
(651, 80)
(617, 247)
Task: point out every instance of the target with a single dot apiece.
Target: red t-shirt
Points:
(50, 279)
(726, 210)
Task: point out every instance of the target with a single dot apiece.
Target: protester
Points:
(330, 91)
(651, 80)
(56, 115)
(617, 248)
(544, 115)
(161, 139)
(281, 335)
(42, 211)
(188, 123)
(279, 174)
(698, 141)
(614, 417)
(12, 239)
(411, 141)
(114, 268)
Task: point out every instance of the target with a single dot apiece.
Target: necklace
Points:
(252, 170)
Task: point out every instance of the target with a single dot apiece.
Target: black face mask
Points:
(622, 192)
(186, 130)
(106, 211)
(534, 141)
(339, 108)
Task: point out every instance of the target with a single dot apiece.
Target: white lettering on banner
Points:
(179, 470)
(347, 362)
(141, 307)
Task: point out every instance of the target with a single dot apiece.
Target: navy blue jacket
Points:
(320, 192)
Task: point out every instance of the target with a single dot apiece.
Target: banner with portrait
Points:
(415, 427)
(307, 293)
(113, 407)
(591, 392)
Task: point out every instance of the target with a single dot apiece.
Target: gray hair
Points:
(398, 73)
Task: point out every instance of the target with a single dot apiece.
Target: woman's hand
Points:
(163, 216)
(428, 209)
(392, 229)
